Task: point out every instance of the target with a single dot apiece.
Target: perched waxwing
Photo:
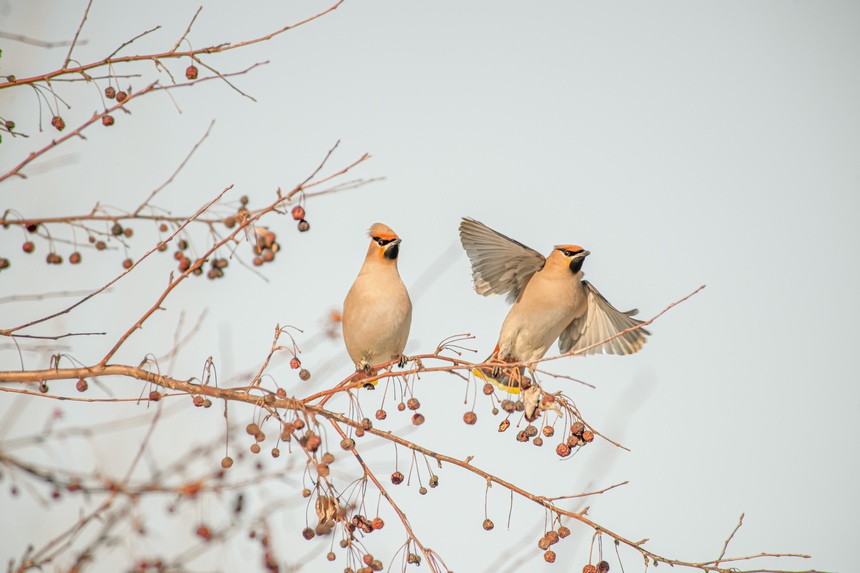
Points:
(377, 312)
(550, 301)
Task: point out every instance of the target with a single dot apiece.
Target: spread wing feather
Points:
(602, 321)
(500, 265)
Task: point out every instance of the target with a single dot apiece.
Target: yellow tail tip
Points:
(495, 382)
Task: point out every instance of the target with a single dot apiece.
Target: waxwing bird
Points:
(550, 301)
(377, 312)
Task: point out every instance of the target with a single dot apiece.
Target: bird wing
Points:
(601, 321)
(500, 265)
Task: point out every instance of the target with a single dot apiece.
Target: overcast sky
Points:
(681, 143)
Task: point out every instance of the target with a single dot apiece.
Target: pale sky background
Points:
(681, 143)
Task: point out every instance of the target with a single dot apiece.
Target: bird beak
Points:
(394, 242)
(581, 255)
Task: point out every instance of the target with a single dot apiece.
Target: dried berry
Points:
(128, 232)
(82, 385)
(488, 388)
(470, 418)
(504, 425)
(563, 531)
(531, 431)
(434, 480)
(191, 72)
(587, 436)
(563, 450)
(29, 246)
(121, 96)
(603, 567)
(295, 363)
(488, 525)
(377, 523)
(110, 92)
(422, 490)
(330, 556)
(328, 458)
(397, 478)
(10, 125)
(107, 120)
(304, 374)
(543, 543)
(252, 429)
(548, 431)
(418, 418)
(276, 452)
(549, 556)
(366, 424)
(552, 536)
(255, 448)
(401, 406)
(508, 406)
(304, 226)
(197, 401)
(522, 436)
(538, 441)
(298, 212)
(347, 443)
(204, 532)
(381, 415)
(58, 123)
(75, 258)
(313, 443)
(413, 403)
(576, 428)
(127, 264)
(589, 569)
(367, 558)
(154, 396)
(308, 533)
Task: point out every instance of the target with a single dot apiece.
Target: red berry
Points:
(29, 246)
(191, 72)
(58, 123)
(107, 120)
(295, 363)
(470, 418)
(298, 212)
(110, 92)
(121, 96)
(75, 258)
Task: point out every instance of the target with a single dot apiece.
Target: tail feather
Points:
(508, 379)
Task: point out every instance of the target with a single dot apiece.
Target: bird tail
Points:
(508, 379)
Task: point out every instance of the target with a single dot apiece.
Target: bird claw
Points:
(402, 360)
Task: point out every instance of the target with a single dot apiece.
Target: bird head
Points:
(571, 255)
(384, 243)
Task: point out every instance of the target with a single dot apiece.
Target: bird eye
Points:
(567, 253)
